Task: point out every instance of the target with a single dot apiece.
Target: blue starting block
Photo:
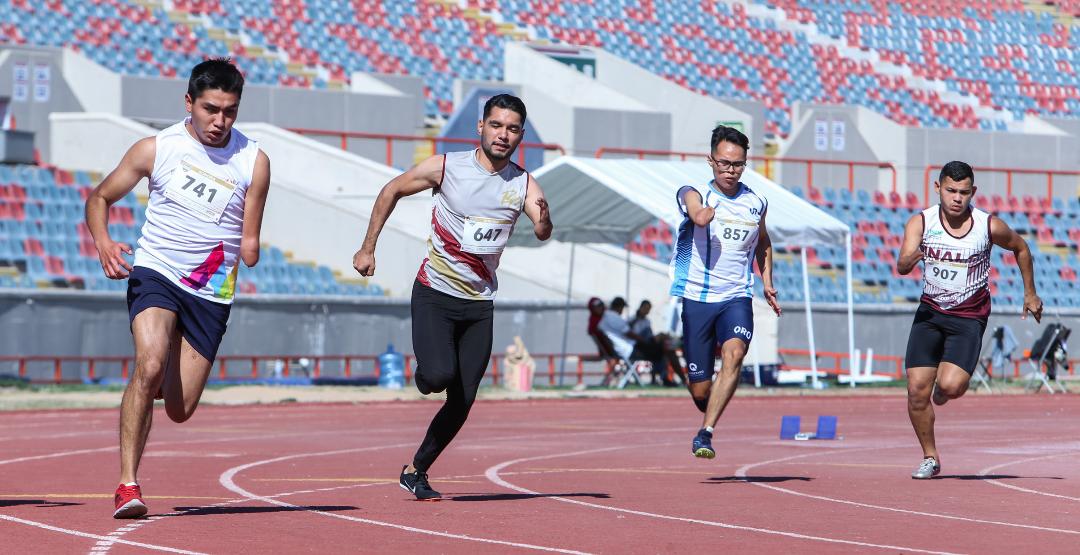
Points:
(790, 425)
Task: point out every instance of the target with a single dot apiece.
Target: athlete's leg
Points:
(920, 411)
(473, 337)
(926, 344)
(960, 356)
(185, 379)
(731, 354)
(153, 330)
(699, 349)
(433, 317)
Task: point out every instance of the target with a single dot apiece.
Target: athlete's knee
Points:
(149, 368)
(702, 403)
(179, 414)
(953, 389)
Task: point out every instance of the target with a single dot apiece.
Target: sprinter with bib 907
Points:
(208, 186)
(953, 240)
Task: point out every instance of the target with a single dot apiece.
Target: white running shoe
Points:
(928, 468)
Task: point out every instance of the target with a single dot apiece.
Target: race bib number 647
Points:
(485, 235)
(199, 191)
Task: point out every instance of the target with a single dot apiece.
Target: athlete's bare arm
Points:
(1003, 236)
(421, 177)
(700, 214)
(763, 254)
(910, 250)
(254, 202)
(138, 163)
(536, 208)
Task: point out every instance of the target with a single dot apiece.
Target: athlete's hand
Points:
(1034, 305)
(771, 298)
(364, 262)
(542, 204)
(110, 254)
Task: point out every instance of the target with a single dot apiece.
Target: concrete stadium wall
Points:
(578, 112)
(78, 84)
(693, 115)
(871, 137)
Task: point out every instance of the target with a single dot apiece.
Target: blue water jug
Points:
(391, 369)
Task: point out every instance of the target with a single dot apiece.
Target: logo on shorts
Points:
(693, 367)
(739, 330)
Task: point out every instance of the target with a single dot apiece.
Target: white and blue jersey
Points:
(715, 263)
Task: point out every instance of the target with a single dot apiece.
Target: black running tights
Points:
(452, 343)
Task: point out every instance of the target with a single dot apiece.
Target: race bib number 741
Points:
(485, 235)
(199, 191)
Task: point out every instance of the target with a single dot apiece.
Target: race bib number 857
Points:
(734, 234)
(199, 191)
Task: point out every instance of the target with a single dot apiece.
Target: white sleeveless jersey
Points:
(956, 270)
(716, 262)
(195, 216)
(472, 218)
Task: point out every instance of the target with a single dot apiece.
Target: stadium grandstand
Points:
(852, 106)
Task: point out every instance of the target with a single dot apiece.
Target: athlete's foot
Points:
(417, 484)
(702, 445)
(938, 397)
(128, 501)
(928, 468)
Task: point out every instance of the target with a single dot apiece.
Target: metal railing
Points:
(768, 162)
(1009, 173)
(391, 138)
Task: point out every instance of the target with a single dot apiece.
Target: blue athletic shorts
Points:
(202, 322)
(706, 325)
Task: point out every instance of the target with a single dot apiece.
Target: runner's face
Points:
(728, 161)
(955, 196)
(212, 115)
(501, 133)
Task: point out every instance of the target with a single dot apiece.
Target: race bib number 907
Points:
(950, 276)
(485, 235)
(200, 192)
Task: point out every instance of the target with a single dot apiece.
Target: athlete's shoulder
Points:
(754, 196)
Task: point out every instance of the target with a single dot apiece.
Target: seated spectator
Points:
(661, 343)
(628, 344)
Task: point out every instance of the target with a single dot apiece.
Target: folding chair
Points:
(1052, 340)
(618, 366)
(999, 353)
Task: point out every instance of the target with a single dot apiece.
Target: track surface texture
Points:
(563, 476)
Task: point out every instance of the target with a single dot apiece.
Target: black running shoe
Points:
(416, 483)
(701, 447)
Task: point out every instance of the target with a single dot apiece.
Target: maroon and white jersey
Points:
(956, 270)
(471, 221)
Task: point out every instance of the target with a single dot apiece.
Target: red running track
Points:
(584, 475)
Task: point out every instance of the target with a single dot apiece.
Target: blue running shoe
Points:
(702, 445)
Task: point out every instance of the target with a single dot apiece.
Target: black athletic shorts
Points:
(202, 322)
(937, 337)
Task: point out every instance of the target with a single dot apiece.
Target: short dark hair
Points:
(723, 133)
(507, 102)
(617, 304)
(956, 171)
(644, 304)
(215, 73)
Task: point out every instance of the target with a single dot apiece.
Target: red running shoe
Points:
(129, 503)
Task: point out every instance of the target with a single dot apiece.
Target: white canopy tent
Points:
(612, 200)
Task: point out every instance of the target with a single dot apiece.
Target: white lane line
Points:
(81, 534)
(226, 480)
(741, 472)
(493, 475)
(990, 469)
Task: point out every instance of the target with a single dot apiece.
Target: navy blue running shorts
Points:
(202, 322)
(706, 325)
